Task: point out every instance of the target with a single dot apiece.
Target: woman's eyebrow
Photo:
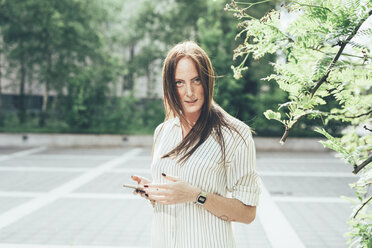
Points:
(176, 79)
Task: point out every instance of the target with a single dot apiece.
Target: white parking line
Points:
(64, 169)
(22, 153)
(27, 208)
(93, 157)
(142, 158)
(102, 196)
(306, 174)
(325, 160)
(311, 199)
(277, 228)
(131, 196)
(142, 170)
(20, 194)
(5, 245)
(43, 169)
(130, 170)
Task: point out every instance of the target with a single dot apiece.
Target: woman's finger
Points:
(157, 198)
(159, 186)
(136, 178)
(158, 192)
(170, 178)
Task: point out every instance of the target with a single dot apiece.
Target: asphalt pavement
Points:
(59, 198)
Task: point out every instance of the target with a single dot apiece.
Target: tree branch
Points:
(366, 128)
(340, 114)
(331, 65)
(285, 136)
(343, 54)
(310, 5)
(251, 4)
(338, 54)
(288, 129)
(365, 203)
(369, 112)
(357, 168)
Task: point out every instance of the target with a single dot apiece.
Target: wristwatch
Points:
(202, 198)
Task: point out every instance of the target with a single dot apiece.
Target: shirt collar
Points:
(176, 122)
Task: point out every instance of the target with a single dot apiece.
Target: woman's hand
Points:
(141, 181)
(176, 191)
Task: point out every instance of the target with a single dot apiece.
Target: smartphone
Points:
(137, 188)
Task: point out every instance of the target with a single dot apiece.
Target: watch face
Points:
(202, 199)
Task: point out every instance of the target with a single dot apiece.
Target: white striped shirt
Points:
(188, 225)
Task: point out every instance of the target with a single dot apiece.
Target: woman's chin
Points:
(193, 112)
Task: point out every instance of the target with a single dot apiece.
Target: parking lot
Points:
(54, 197)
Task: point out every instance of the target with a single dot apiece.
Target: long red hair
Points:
(212, 116)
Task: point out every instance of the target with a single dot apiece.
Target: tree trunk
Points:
(129, 77)
(149, 93)
(149, 90)
(44, 106)
(21, 107)
(1, 77)
(46, 92)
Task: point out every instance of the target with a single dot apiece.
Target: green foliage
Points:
(68, 43)
(271, 115)
(326, 72)
(361, 234)
(60, 43)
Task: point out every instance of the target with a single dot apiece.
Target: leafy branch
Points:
(342, 114)
(310, 5)
(357, 168)
(365, 203)
(319, 70)
(366, 128)
(298, 118)
(343, 54)
(330, 67)
(338, 54)
(358, 116)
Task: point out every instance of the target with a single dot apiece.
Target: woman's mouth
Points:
(190, 102)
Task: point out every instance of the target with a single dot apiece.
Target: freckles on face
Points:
(189, 87)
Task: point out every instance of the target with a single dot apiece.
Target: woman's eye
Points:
(197, 80)
(178, 83)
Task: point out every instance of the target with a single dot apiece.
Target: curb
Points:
(107, 140)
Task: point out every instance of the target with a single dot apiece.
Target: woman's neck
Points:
(188, 124)
(192, 118)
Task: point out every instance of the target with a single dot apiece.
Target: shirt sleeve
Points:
(242, 178)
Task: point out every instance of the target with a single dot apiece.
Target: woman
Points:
(203, 166)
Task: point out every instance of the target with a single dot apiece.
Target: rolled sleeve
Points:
(242, 179)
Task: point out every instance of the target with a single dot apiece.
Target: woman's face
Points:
(189, 88)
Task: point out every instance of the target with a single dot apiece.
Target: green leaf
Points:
(271, 115)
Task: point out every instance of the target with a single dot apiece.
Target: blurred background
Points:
(78, 66)
(91, 67)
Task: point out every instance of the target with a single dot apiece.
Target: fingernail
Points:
(146, 186)
(146, 195)
(163, 174)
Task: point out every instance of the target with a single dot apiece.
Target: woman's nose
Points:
(189, 90)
